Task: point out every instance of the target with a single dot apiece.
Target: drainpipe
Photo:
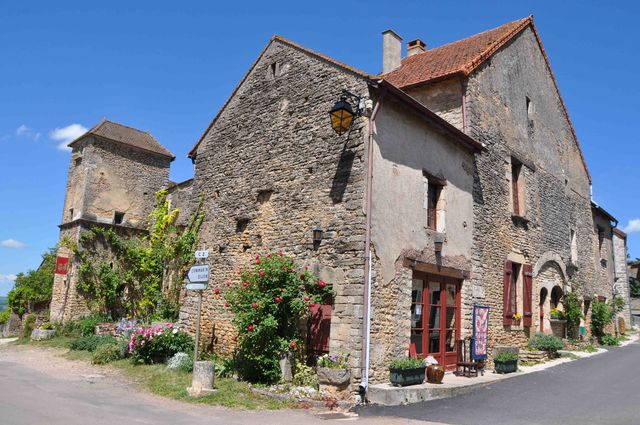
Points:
(366, 337)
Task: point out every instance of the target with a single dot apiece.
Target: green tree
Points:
(132, 284)
(33, 287)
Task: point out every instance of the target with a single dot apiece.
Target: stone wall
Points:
(271, 169)
(556, 185)
(444, 98)
(621, 277)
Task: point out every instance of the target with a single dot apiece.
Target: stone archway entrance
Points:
(550, 282)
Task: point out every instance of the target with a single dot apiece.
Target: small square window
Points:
(118, 217)
(78, 161)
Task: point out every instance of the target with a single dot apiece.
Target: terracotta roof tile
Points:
(460, 57)
(128, 136)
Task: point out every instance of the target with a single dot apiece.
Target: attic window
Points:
(118, 217)
(78, 161)
(529, 105)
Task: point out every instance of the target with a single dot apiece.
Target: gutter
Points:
(366, 319)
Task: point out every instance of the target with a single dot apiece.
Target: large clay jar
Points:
(435, 374)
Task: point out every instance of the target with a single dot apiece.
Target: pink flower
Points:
(293, 344)
(254, 305)
(217, 291)
(228, 283)
(278, 299)
(246, 283)
(226, 305)
(307, 298)
(142, 342)
(321, 283)
(312, 304)
(258, 261)
(268, 255)
(281, 254)
(250, 328)
(261, 273)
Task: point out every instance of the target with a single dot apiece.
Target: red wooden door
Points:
(319, 329)
(435, 318)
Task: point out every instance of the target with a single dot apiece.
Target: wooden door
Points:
(435, 317)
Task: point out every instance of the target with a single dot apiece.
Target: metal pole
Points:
(195, 350)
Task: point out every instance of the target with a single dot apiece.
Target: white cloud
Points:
(633, 226)
(12, 243)
(7, 278)
(27, 132)
(66, 135)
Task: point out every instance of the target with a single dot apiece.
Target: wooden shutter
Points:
(319, 328)
(527, 297)
(507, 313)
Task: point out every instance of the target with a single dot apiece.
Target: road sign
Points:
(197, 286)
(202, 254)
(198, 273)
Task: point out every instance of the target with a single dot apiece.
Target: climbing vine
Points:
(141, 275)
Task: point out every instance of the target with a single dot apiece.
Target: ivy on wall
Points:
(123, 275)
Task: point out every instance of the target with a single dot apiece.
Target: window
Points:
(515, 277)
(574, 247)
(434, 203)
(70, 213)
(118, 217)
(600, 237)
(517, 190)
(78, 161)
(529, 109)
(517, 294)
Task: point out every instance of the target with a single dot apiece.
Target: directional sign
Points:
(198, 273)
(202, 254)
(198, 286)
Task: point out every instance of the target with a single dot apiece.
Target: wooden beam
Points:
(435, 269)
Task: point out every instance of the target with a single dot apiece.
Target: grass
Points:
(173, 383)
(569, 356)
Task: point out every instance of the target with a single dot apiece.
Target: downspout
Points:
(366, 337)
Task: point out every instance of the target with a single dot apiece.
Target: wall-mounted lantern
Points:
(317, 236)
(342, 113)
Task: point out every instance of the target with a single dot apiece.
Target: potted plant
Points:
(44, 331)
(334, 370)
(516, 319)
(506, 362)
(406, 371)
(558, 322)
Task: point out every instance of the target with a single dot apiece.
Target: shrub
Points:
(406, 363)
(601, 316)
(505, 356)
(589, 348)
(268, 304)
(91, 342)
(28, 325)
(305, 376)
(106, 353)
(46, 326)
(181, 361)
(4, 316)
(610, 340)
(573, 313)
(544, 342)
(334, 362)
(83, 326)
(158, 343)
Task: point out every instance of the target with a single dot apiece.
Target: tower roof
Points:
(126, 135)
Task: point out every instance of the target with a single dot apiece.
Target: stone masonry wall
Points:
(271, 169)
(622, 279)
(556, 186)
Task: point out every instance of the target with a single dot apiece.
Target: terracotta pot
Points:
(435, 374)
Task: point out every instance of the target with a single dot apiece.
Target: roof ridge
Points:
(106, 120)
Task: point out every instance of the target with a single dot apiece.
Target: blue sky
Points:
(167, 67)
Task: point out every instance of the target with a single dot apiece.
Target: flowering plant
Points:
(268, 302)
(126, 327)
(158, 343)
(517, 316)
(556, 314)
(334, 361)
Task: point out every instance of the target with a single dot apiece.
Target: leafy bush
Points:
(268, 304)
(589, 348)
(610, 340)
(106, 353)
(406, 363)
(4, 316)
(573, 313)
(334, 362)
(224, 366)
(46, 326)
(158, 343)
(181, 361)
(601, 316)
(91, 342)
(34, 287)
(544, 342)
(28, 325)
(305, 376)
(83, 326)
(505, 356)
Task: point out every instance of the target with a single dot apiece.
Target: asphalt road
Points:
(603, 389)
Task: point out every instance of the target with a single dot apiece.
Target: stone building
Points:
(460, 182)
(114, 174)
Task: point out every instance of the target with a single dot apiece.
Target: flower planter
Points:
(42, 334)
(404, 377)
(338, 377)
(435, 374)
(506, 367)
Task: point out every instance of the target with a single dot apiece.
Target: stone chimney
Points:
(391, 51)
(416, 46)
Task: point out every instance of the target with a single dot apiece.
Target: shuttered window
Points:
(507, 308)
(527, 295)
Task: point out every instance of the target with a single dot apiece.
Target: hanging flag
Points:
(62, 265)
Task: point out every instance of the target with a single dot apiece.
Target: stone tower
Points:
(113, 176)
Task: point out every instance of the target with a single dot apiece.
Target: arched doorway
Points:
(543, 300)
(556, 296)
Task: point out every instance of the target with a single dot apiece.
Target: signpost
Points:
(198, 280)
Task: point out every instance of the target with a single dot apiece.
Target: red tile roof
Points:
(458, 58)
(127, 135)
(462, 57)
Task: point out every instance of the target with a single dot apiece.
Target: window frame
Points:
(433, 197)
(517, 188)
(116, 215)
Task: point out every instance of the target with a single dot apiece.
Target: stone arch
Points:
(550, 256)
(550, 279)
